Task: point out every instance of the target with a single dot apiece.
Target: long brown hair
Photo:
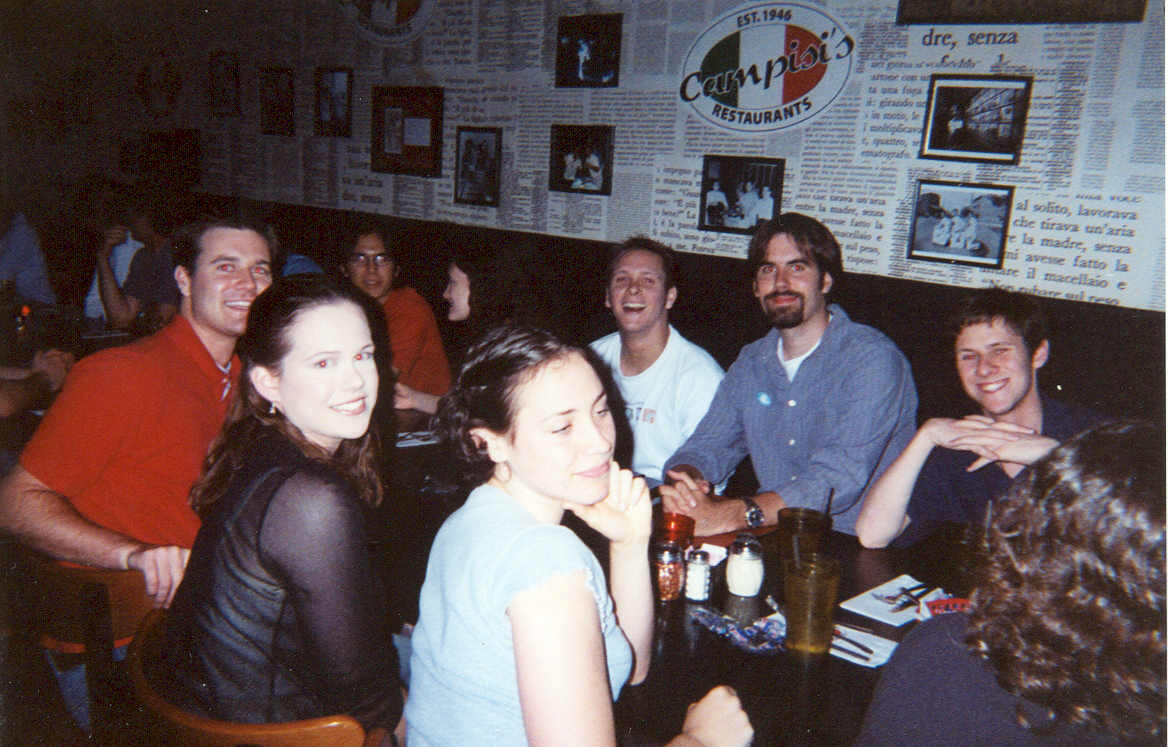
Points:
(265, 343)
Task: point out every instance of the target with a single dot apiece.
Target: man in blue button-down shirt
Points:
(821, 404)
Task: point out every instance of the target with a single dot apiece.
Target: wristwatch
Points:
(754, 515)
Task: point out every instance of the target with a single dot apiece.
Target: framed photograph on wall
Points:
(739, 192)
(960, 223)
(407, 130)
(581, 159)
(334, 101)
(976, 118)
(277, 102)
(997, 12)
(476, 176)
(223, 84)
(588, 51)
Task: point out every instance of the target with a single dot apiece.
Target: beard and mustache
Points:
(787, 316)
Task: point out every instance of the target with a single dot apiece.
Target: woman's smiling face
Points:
(327, 383)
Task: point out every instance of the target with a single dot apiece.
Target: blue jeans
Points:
(74, 691)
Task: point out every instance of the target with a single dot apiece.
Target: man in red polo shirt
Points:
(418, 356)
(104, 480)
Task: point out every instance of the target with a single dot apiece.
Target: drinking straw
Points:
(830, 495)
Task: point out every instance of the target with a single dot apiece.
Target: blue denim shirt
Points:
(847, 415)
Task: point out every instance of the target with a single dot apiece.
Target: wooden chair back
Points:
(90, 611)
(171, 725)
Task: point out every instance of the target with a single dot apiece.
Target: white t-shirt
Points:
(120, 259)
(666, 401)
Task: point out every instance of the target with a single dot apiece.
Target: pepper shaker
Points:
(697, 576)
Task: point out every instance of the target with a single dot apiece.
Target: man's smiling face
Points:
(636, 291)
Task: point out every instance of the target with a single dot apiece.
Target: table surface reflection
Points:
(791, 699)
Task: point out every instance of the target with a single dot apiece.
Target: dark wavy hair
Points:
(1069, 607)
(187, 243)
(815, 241)
(1018, 311)
(484, 395)
(266, 342)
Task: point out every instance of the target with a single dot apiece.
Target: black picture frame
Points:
(406, 136)
(739, 192)
(960, 223)
(985, 12)
(580, 159)
(333, 94)
(588, 51)
(476, 174)
(979, 118)
(277, 101)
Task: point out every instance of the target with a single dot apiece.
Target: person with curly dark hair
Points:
(279, 616)
(1065, 638)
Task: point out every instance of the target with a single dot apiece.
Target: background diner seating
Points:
(169, 724)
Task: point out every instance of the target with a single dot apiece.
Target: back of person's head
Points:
(814, 240)
(484, 394)
(644, 244)
(1018, 311)
(187, 243)
(1069, 610)
(266, 343)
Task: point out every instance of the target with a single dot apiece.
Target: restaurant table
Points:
(791, 699)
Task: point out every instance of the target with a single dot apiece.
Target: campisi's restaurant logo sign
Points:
(767, 67)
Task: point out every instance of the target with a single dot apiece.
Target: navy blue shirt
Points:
(944, 491)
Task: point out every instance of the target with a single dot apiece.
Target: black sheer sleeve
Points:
(314, 535)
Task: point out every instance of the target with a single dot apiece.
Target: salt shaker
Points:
(744, 570)
(669, 566)
(697, 576)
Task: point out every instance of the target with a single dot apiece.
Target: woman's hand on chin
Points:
(625, 515)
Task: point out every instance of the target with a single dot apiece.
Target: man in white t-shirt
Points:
(667, 381)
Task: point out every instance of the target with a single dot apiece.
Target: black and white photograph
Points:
(581, 159)
(960, 223)
(979, 118)
(334, 101)
(223, 83)
(277, 103)
(588, 51)
(476, 180)
(739, 192)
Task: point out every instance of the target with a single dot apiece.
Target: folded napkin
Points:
(875, 603)
(717, 553)
(882, 648)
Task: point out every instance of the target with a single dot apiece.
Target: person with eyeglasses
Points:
(371, 265)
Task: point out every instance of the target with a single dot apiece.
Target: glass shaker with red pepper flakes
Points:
(669, 570)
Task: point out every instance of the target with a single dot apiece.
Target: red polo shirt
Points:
(126, 437)
(416, 344)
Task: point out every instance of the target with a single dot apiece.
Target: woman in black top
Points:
(279, 616)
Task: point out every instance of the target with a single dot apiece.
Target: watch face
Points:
(754, 515)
